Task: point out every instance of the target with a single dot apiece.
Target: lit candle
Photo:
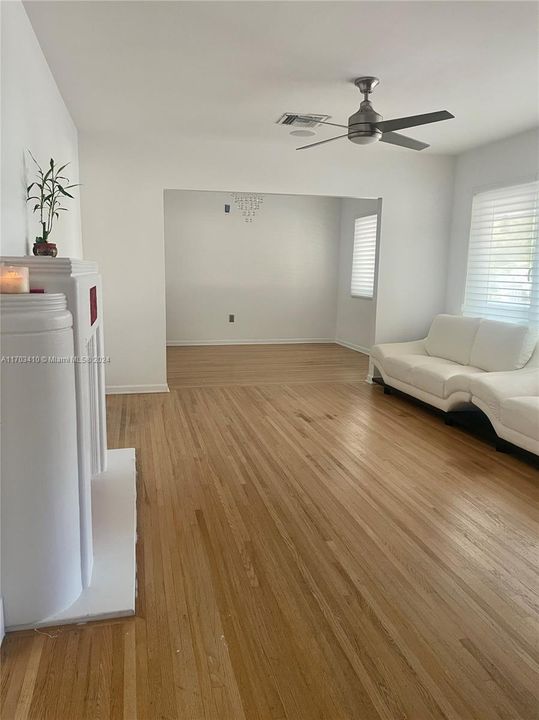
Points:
(14, 279)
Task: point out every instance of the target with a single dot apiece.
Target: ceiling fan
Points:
(367, 126)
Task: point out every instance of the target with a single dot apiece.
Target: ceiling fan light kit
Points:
(366, 126)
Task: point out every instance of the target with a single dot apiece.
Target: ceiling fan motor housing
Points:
(361, 127)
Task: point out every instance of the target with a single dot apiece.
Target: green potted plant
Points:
(49, 190)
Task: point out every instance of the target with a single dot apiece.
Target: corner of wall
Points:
(339, 269)
(450, 231)
(2, 623)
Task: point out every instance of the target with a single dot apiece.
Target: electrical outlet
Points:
(231, 318)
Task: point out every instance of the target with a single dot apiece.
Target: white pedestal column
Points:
(40, 530)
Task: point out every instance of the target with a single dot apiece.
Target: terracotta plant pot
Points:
(45, 248)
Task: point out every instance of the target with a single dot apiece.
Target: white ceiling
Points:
(230, 69)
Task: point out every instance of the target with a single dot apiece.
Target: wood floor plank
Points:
(309, 549)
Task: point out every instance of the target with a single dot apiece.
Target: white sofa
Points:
(510, 400)
(465, 361)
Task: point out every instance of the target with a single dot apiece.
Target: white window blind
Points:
(364, 256)
(502, 281)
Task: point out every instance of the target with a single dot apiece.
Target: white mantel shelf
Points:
(65, 266)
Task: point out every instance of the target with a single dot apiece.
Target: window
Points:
(502, 281)
(364, 256)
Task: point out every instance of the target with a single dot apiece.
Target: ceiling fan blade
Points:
(321, 142)
(398, 139)
(413, 121)
(323, 122)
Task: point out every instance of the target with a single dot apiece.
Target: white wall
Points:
(34, 117)
(412, 269)
(356, 317)
(122, 204)
(507, 162)
(277, 274)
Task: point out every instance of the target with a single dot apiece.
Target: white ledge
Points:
(57, 265)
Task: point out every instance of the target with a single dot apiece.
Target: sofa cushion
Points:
(382, 351)
(443, 377)
(502, 346)
(521, 414)
(451, 337)
(401, 366)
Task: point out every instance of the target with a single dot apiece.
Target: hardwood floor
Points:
(262, 365)
(309, 549)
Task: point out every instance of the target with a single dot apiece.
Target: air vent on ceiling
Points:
(306, 120)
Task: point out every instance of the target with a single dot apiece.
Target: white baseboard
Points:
(269, 341)
(134, 389)
(351, 346)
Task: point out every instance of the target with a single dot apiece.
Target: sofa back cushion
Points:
(451, 337)
(502, 346)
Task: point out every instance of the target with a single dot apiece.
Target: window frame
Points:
(515, 312)
(363, 296)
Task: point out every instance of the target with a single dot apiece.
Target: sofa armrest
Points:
(510, 383)
(489, 390)
(385, 350)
